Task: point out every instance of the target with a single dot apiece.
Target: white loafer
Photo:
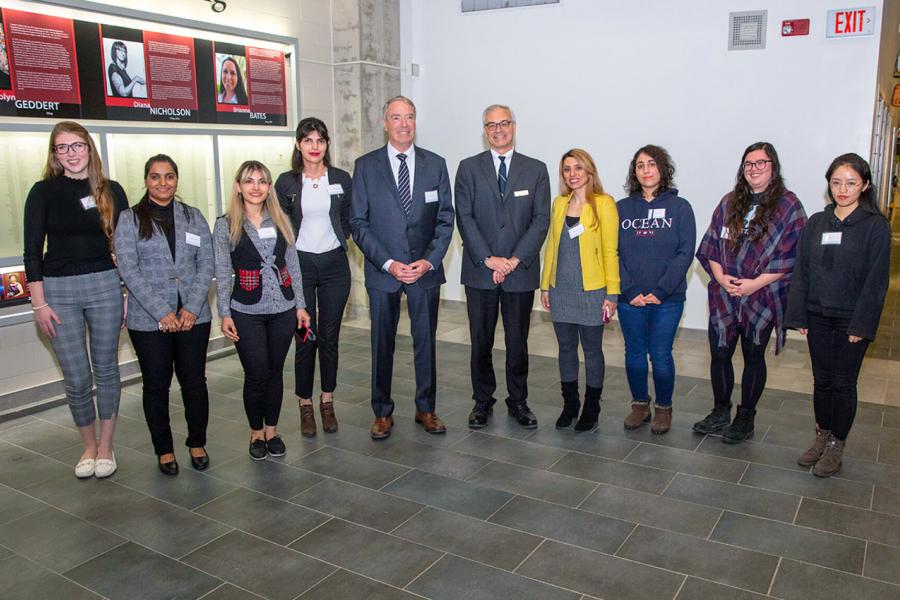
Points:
(104, 467)
(85, 468)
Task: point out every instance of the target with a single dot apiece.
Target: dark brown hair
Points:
(742, 198)
(144, 214)
(663, 163)
(304, 128)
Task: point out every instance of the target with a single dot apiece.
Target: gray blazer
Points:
(154, 280)
(514, 224)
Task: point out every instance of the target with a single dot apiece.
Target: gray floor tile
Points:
(597, 445)
(131, 572)
(598, 574)
(451, 494)
(859, 446)
(800, 581)
(265, 476)
(869, 472)
(428, 458)
(453, 578)
(471, 538)
(21, 468)
(226, 591)
(846, 520)
(564, 524)
(883, 562)
(699, 589)
(809, 545)
(710, 560)
(753, 452)
(637, 477)
(737, 498)
(21, 579)
(354, 438)
(41, 437)
(276, 520)
(886, 499)
(352, 467)
(377, 555)
(511, 451)
(56, 540)
(358, 504)
(90, 499)
(833, 489)
(650, 509)
(259, 566)
(683, 461)
(684, 439)
(14, 505)
(535, 483)
(189, 490)
(344, 584)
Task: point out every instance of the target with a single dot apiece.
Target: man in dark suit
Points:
(503, 212)
(402, 219)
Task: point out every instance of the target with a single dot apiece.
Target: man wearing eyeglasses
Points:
(503, 212)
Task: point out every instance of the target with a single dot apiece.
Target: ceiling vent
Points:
(747, 30)
(478, 5)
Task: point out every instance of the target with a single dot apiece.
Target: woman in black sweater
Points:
(840, 279)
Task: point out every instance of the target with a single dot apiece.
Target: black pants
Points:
(326, 284)
(384, 309)
(264, 344)
(721, 371)
(159, 355)
(483, 307)
(835, 364)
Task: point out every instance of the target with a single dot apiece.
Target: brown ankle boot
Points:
(662, 420)
(831, 459)
(640, 414)
(814, 453)
(307, 420)
(329, 420)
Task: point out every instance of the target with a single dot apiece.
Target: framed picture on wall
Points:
(897, 66)
(895, 97)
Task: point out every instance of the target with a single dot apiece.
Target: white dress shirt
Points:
(496, 158)
(395, 167)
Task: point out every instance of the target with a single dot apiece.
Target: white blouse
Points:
(316, 231)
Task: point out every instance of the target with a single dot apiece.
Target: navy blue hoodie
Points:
(656, 245)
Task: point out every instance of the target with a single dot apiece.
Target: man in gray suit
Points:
(503, 212)
(402, 219)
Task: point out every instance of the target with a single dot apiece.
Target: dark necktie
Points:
(403, 185)
(501, 179)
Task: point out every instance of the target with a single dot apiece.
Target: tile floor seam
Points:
(530, 554)
(872, 499)
(589, 494)
(680, 587)
(865, 557)
(502, 506)
(317, 582)
(407, 520)
(124, 541)
(625, 541)
(550, 466)
(207, 543)
(744, 474)
(479, 469)
(218, 587)
(211, 500)
(774, 576)
(716, 524)
(305, 533)
(425, 570)
(407, 472)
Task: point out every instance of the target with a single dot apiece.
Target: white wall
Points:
(610, 76)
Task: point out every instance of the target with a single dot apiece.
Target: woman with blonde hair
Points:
(580, 281)
(74, 284)
(262, 309)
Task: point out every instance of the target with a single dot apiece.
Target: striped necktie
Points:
(403, 185)
(501, 179)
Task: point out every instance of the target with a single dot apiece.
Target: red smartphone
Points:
(606, 316)
(304, 334)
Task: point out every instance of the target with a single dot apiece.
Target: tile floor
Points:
(499, 513)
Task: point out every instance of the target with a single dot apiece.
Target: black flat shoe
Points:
(479, 416)
(200, 462)
(275, 446)
(169, 468)
(523, 414)
(258, 450)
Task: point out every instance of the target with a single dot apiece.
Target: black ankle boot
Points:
(571, 404)
(742, 426)
(591, 410)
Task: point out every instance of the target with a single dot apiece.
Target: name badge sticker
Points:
(335, 188)
(657, 213)
(724, 233)
(520, 193)
(192, 239)
(431, 196)
(576, 230)
(266, 233)
(832, 238)
(88, 203)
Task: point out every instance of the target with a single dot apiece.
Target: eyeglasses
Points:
(846, 185)
(758, 164)
(494, 125)
(77, 148)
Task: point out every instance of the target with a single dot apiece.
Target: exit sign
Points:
(850, 22)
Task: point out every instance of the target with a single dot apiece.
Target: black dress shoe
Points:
(478, 418)
(523, 414)
(200, 462)
(169, 468)
(258, 450)
(276, 446)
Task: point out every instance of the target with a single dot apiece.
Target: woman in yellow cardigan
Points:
(580, 281)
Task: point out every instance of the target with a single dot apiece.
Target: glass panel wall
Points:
(273, 151)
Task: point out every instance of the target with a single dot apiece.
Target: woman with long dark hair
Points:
(74, 285)
(166, 261)
(840, 281)
(231, 83)
(317, 196)
(749, 251)
(657, 235)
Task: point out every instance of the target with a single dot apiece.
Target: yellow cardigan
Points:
(599, 246)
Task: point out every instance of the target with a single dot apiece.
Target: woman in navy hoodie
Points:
(657, 235)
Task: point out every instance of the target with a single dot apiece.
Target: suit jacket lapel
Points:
(335, 198)
(487, 166)
(180, 239)
(388, 174)
(418, 186)
(512, 175)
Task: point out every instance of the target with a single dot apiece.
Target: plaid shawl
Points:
(774, 252)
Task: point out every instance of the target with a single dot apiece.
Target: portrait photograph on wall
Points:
(126, 74)
(231, 79)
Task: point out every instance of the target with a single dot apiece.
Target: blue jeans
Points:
(650, 330)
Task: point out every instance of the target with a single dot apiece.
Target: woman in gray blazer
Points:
(165, 258)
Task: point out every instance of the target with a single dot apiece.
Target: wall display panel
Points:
(13, 286)
(22, 158)
(272, 151)
(192, 153)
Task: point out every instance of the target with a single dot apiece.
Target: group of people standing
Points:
(279, 255)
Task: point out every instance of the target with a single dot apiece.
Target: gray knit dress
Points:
(569, 302)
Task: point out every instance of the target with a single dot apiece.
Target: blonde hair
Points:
(103, 198)
(596, 187)
(235, 212)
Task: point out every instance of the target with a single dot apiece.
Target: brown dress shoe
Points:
(307, 420)
(381, 428)
(640, 414)
(329, 421)
(662, 420)
(430, 422)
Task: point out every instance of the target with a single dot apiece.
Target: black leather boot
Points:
(571, 404)
(590, 412)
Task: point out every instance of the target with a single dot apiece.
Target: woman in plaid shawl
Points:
(749, 252)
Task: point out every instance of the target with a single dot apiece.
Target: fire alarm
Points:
(795, 27)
